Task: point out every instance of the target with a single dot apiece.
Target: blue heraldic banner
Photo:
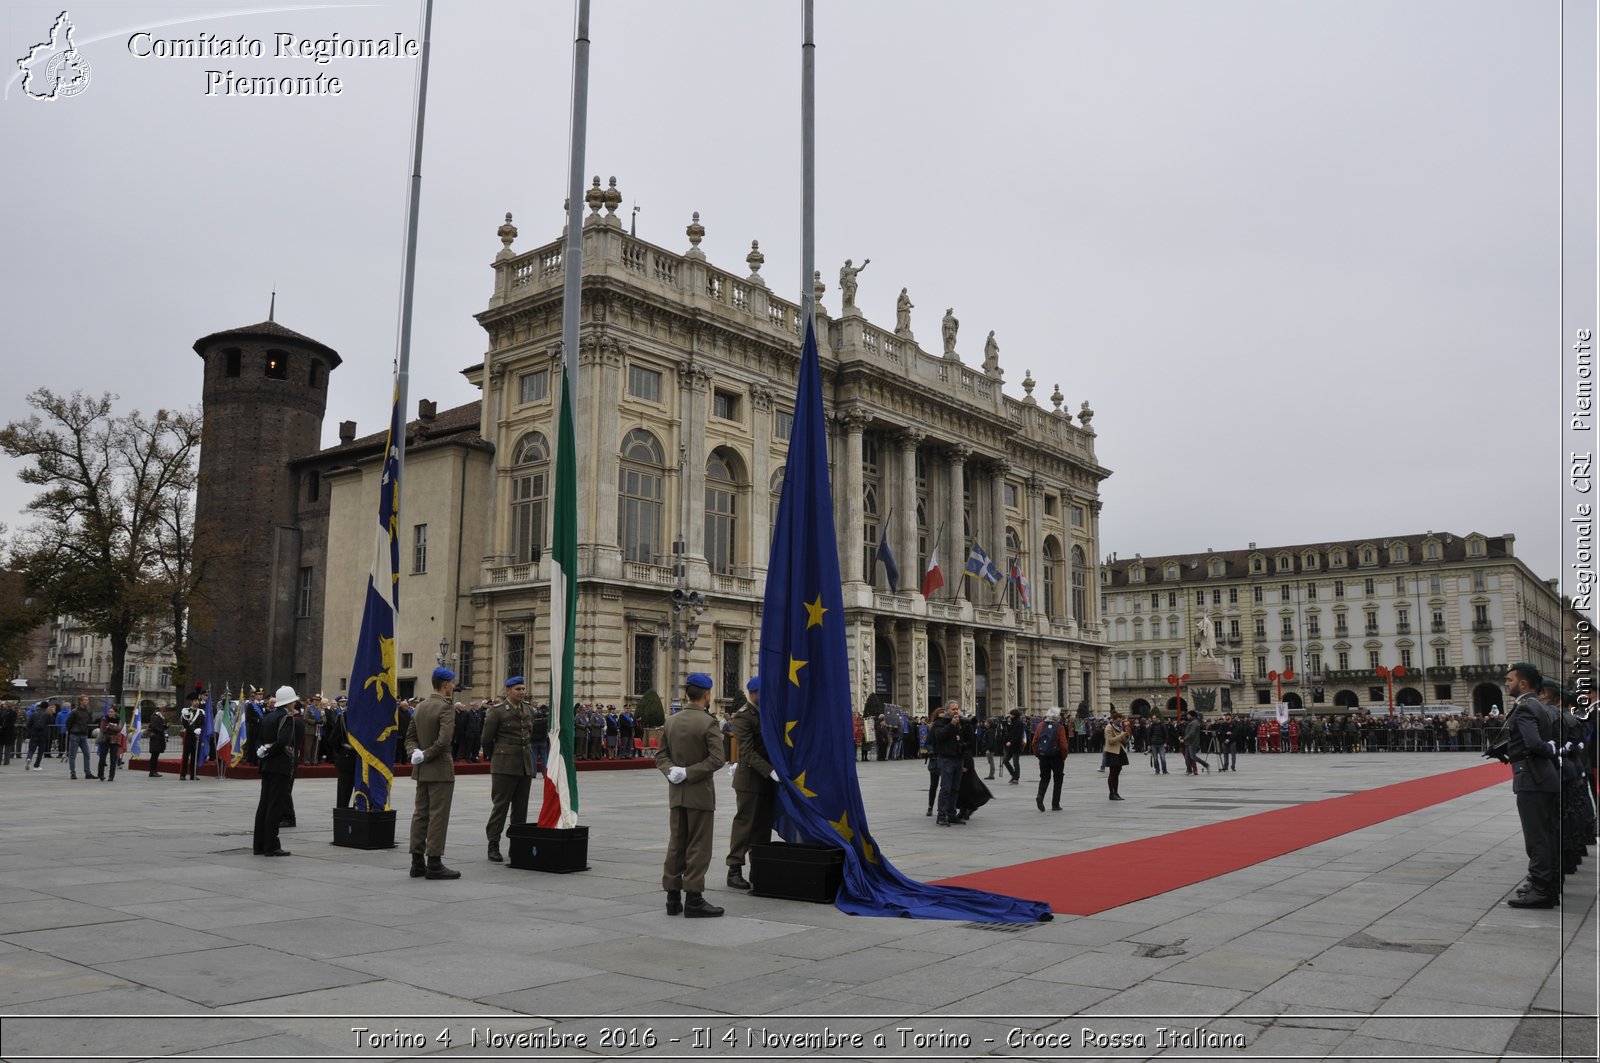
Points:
(805, 693)
(371, 714)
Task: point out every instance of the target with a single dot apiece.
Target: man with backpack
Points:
(1050, 746)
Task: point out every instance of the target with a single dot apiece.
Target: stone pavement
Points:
(140, 901)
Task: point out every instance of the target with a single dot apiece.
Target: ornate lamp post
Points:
(1390, 675)
(1177, 682)
(685, 639)
(1280, 678)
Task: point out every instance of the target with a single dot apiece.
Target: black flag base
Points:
(359, 829)
(559, 850)
(797, 871)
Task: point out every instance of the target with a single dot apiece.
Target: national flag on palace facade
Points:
(933, 578)
(806, 692)
(886, 555)
(979, 564)
(560, 807)
(373, 704)
(1018, 580)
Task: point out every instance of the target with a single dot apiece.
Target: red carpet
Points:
(1089, 882)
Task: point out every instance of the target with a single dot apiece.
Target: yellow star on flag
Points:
(794, 670)
(787, 727)
(842, 825)
(800, 783)
(868, 851)
(816, 610)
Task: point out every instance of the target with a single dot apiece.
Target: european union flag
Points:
(805, 692)
(370, 716)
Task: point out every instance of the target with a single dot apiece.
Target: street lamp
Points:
(1177, 682)
(1280, 678)
(695, 602)
(1390, 675)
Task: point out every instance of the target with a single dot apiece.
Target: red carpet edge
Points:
(1095, 880)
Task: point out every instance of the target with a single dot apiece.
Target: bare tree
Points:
(106, 481)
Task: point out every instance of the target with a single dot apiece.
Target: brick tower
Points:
(266, 389)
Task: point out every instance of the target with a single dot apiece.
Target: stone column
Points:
(955, 533)
(967, 689)
(759, 521)
(1091, 593)
(853, 418)
(695, 379)
(919, 668)
(997, 520)
(1033, 538)
(905, 511)
(605, 444)
(863, 636)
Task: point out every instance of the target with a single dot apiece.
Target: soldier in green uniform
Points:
(508, 743)
(754, 786)
(429, 737)
(689, 756)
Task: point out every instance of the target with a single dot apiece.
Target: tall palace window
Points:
(722, 499)
(530, 477)
(639, 498)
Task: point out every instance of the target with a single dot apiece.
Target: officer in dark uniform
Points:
(755, 786)
(273, 754)
(1536, 782)
(193, 723)
(508, 743)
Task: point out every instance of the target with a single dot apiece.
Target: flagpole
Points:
(808, 168)
(408, 283)
(573, 258)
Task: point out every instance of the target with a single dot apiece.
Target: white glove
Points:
(774, 775)
(1552, 746)
(261, 751)
(733, 767)
(416, 756)
(676, 775)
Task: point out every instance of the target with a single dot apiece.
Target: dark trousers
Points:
(752, 822)
(1113, 772)
(1010, 761)
(430, 817)
(191, 756)
(155, 760)
(269, 810)
(107, 752)
(949, 769)
(36, 750)
(346, 769)
(688, 849)
(509, 793)
(1538, 815)
(1050, 770)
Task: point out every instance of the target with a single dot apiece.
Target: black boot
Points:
(674, 902)
(736, 879)
(436, 869)
(696, 907)
(494, 852)
(418, 868)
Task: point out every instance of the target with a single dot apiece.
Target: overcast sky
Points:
(1300, 257)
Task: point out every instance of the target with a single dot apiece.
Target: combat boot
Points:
(494, 852)
(436, 869)
(696, 907)
(418, 868)
(674, 902)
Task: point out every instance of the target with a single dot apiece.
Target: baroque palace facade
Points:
(684, 394)
(1453, 610)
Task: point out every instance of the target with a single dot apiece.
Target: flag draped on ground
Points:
(371, 716)
(560, 807)
(805, 696)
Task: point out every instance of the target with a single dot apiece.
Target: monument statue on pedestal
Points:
(902, 314)
(991, 354)
(948, 327)
(1206, 637)
(847, 281)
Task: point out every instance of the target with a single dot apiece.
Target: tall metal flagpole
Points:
(808, 168)
(573, 256)
(408, 283)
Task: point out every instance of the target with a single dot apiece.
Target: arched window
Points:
(530, 485)
(722, 503)
(1052, 579)
(639, 497)
(1080, 579)
(774, 495)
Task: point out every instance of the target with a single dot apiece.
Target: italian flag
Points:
(560, 807)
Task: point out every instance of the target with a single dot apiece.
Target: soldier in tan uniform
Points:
(754, 787)
(689, 756)
(430, 737)
(508, 743)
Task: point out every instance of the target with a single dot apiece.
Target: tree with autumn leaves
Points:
(113, 544)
